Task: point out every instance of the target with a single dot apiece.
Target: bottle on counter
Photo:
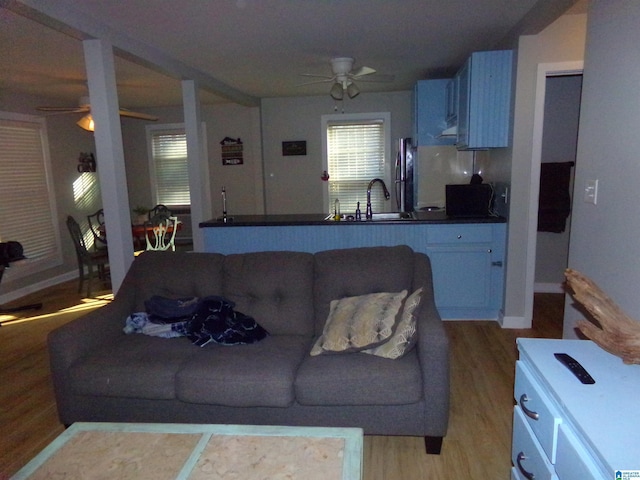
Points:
(336, 210)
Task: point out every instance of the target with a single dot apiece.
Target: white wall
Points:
(562, 41)
(293, 184)
(605, 237)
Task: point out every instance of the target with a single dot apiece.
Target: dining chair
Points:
(159, 209)
(96, 224)
(161, 232)
(87, 258)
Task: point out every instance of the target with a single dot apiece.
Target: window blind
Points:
(355, 156)
(27, 204)
(171, 175)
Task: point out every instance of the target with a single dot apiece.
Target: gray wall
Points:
(562, 41)
(293, 184)
(604, 237)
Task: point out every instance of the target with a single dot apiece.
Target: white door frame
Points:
(544, 70)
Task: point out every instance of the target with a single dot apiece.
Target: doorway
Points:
(558, 151)
(545, 70)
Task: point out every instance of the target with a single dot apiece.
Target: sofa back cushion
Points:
(275, 288)
(359, 271)
(174, 274)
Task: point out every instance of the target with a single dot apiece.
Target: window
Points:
(27, 202)
(356, 151)
(168, 164)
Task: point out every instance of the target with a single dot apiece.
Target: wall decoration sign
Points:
(231, 151)
(298, 147)
(86, 162)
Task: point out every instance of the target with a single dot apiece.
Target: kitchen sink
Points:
(378, 217)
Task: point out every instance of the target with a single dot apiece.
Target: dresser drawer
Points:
(574, 462)
(460, 233)
(527, 455)
(541, 416)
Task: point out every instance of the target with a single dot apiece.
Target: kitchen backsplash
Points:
(440, 165)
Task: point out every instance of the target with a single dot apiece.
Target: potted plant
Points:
(141, 215)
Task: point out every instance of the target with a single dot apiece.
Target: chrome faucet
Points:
(369, 214)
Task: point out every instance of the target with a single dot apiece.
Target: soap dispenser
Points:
(336, 210)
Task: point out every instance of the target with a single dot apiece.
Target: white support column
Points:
(109, 156)
(199, 185)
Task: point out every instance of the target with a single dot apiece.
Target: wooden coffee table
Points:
(183, 451)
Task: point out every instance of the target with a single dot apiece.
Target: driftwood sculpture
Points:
(617, 333)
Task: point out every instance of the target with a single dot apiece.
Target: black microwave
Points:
(468, 200)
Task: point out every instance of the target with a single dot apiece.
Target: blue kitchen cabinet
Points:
(484, 100)
(467, 258)
(468, 269)
(430, 112)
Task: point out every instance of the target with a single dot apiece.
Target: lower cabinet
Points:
(468, 263)
(566, 430)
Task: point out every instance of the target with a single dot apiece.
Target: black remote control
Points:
(574, 367)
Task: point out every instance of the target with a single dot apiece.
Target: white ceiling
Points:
(251, 49)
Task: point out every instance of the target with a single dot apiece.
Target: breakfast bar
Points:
(467, 254)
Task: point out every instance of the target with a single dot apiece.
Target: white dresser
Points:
(566, 430)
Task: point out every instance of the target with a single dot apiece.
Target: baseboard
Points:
(515, 322)
(49, 282)
(548, 288)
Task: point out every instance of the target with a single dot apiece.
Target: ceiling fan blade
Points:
(362, 71)
(377, 78)
(64, 109)
(326, 80)
(140, 116)
(326, 77)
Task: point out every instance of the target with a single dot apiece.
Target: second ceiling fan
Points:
(86, 121)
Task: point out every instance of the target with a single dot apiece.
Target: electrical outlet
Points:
(591, 191)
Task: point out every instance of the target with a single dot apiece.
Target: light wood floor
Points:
(482, 371)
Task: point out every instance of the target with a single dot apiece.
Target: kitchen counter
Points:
(434, 217)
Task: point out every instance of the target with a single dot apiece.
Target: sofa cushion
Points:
(174, 274)
(136, 366)
(359, 271)
(357, 323)
(275, 288)
(357, 379)
(257, 375)
(405, 336)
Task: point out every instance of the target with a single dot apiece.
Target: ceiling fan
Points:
(86, 121)
(344, 77)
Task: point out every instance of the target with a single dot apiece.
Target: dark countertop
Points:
(437, 217)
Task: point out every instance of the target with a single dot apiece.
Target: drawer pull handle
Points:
(530, 413)
(527, 475)
(459, 237)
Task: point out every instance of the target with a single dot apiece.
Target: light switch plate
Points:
(591, 191)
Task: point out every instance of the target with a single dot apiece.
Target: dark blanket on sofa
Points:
(205, 320)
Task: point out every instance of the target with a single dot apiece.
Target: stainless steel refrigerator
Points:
(406, 176)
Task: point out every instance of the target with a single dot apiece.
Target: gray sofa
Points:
(101, 374)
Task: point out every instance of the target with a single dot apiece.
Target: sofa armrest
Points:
(433, 352)
(81, 336)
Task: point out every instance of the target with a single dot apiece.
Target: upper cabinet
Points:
(471, 110)
(484, 100)
(429, 112)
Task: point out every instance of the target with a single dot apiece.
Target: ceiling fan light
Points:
(352, 90)
(86, 123)
(336, 91)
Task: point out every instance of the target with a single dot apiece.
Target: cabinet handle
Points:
(496, 264)
(459, 237)
(527, 475)
(530, 413)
